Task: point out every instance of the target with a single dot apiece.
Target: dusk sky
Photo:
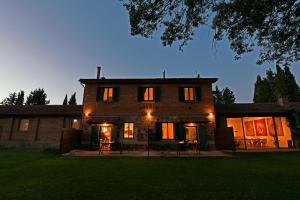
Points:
(53, 43)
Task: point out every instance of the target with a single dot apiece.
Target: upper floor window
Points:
(149, 94)
(128, 130)
(188, 94)
(107, 94)
(24, 125)
(167, 130)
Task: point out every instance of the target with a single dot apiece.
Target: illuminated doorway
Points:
(191, 134)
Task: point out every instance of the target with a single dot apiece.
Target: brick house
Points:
(164, 110)
(36, 126)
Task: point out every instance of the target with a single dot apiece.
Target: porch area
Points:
(152, 153)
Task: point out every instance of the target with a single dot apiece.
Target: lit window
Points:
(189, 94)
(167, 131)
(128, 130)
(108, 94)
(76, 123)
(24, 125)
(148, 95)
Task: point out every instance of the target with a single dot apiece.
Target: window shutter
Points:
(179, 131)
(94, 137)
(198, 93)
(141, 91)
(99, 94)
(116, 94)
(157, 94)
(158, 131)
(181, 94)
(202, 137)
(114, 134)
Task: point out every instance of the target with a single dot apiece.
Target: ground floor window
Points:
(128, 130)
(260, 132)
(168, 131)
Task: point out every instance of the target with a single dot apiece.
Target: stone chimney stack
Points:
(98, 72)
(282, 101)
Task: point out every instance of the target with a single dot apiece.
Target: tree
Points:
(275, 85)
(10, 100)
(225, 96)
(37, 97)
(270, 25)
(65, 102)
(228, 96)
(20, 98)
(292, 88)
(72, 100)
(218, 96)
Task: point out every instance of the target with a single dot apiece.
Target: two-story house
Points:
(164, 110)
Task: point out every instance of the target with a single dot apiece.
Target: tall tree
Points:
(228, 96)
(225, 96)
(72, 100)
(270, 25)
(65, 102)
(275, 85)
(20, 98)
(218, 96)
(37, 97)
(10, 100)
(292, 88)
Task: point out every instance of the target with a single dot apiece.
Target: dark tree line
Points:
(270, 25)
(224, 96)
(36, 97)
(72, 100)
(281, 83)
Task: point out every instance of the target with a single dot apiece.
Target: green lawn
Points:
(47, 175)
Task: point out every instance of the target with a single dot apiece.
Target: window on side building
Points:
(75, 123)
(24, 125)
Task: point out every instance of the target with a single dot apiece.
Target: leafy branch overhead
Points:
(271, 25)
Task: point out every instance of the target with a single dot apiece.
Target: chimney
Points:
(282, 101)
(164, 74)
(98, 72)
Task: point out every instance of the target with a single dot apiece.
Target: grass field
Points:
(47, 175)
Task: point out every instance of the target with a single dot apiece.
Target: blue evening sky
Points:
(53, 43)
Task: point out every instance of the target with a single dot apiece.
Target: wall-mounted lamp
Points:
(149, 114)
(210, 115)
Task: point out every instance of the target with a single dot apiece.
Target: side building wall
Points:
(44, 132)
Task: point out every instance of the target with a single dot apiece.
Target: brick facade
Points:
(44, 130)
(128, 108)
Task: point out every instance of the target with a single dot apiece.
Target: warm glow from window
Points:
(260, 132)
(189, 94)
(167, 131)
(128, 130)
(75, 124)
(108, 94)
(24, 125)
(149, 94)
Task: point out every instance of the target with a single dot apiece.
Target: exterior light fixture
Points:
(210, 115)
(148, 114)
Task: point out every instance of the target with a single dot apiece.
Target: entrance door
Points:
(105, 133)
(191, 134)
